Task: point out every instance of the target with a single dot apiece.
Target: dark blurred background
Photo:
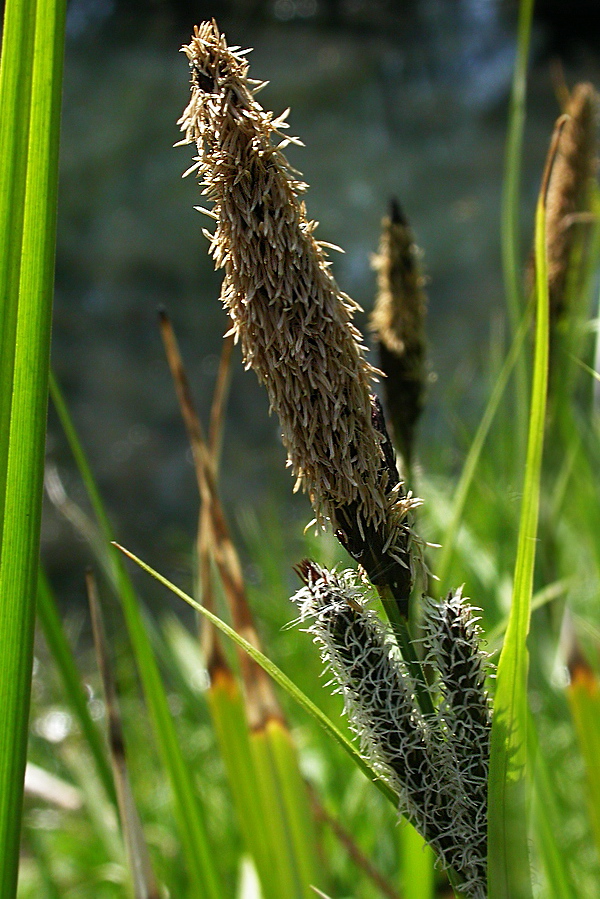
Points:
(406, 99)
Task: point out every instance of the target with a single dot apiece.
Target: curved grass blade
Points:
(33, 49)
(510, 228)
(508, 862)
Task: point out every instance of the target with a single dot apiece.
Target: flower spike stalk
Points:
(293, 322)
(295, 327)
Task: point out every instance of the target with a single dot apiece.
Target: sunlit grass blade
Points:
(508, 862)
(510, 226)
(276, 758)
(226, 704)
(15, 104)
(198, 857)
(417, 873)
(63, 658)
(140, 867)
(461, 491)
(30, 97)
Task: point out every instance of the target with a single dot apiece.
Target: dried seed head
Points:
(293, 322)
(438, 782)
(398, 324)
(568, 191)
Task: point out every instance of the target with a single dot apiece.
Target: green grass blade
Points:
(470, 466)
(199, 859)
(15, 105)
(417, 873)
(274, 746)
(510, 227)
(29, 215)
(226, 705)
(63, 658)
(508, 865)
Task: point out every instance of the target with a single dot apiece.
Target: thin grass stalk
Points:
(64, 660)
(510, 225)
(140, 867)
(30, 215)
(508, 863)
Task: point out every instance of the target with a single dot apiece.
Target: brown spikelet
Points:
(293, 322)
(398, 324)
(568, 191)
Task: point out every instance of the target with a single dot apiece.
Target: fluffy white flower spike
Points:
(437, 768)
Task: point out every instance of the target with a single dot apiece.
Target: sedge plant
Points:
(462, 755)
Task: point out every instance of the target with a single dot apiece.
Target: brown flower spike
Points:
(568, 195)
(293, 322)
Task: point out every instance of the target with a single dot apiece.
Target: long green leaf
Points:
(508, 864)
(15, 105)
(510, 227)
(33, 40)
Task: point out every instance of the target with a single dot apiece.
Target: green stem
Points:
(401, 631)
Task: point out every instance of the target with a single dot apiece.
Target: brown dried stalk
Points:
(398, 321)
(262, 704)
(293, 322)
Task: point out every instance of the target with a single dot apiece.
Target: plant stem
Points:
(399, 625)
